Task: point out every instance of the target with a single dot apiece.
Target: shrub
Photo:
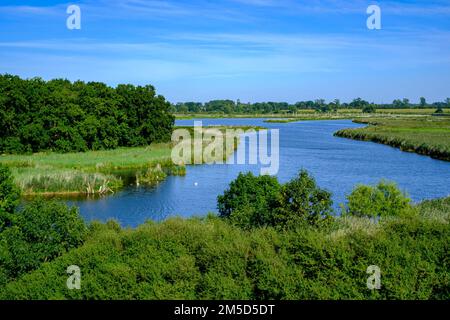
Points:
(9, 197)
(40, 232)
(249, 200)
(261, 201)
(385, 199)
(302, 200)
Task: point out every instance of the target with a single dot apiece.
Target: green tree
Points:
(423, 102)
(369, 108)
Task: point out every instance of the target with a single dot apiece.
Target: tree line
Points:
(64, 116)
(319, 105)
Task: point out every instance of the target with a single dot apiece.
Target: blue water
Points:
(337, 164)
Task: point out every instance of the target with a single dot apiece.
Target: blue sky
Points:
(252, 50)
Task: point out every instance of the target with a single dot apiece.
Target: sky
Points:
(252, 50)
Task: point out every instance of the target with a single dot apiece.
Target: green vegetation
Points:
(213, 258)
(261, 201)
(34, 234)
(427, 135)
(97, 172)
(92, 172)
(68, 117)
(229, 107)
(383, 200)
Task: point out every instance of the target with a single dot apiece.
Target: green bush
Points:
(261, 201)
(302, 200)
(212, 259)
(382, 200)
(9, 197)
(40, 232)
(249, 200)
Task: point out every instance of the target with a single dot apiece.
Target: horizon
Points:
(251, 50)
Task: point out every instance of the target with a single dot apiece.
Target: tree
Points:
(369, 108)
(423, 102)
(406, 103)
(62, 116)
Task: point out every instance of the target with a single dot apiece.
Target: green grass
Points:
(426, 135)
(95, 172)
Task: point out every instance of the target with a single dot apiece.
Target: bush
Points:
(212, 259)
(383, 200)
(261, 201)
(9, 197)
(249, 200)
(302, 200)
(40, 232)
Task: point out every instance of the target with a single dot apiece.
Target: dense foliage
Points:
(382, 200)
(257, 201)
(38, 232)
(319, 105)
(62, 116)
(211, 258)
(9, 197)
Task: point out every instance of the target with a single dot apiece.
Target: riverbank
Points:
(96, 172)
(428, 136)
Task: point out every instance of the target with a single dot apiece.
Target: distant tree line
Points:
(319, 105)
(58, 115)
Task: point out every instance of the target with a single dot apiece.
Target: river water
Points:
(337, 164)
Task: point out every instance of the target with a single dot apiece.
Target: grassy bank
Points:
(212, 259)
(94, 172)
(426, 135)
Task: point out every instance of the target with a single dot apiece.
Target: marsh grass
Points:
(427, 136)
(96, 172)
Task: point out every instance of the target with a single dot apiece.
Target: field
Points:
(425, 135)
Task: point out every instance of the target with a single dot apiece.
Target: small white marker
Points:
(195, 184)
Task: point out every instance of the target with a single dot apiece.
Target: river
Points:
(337, 164)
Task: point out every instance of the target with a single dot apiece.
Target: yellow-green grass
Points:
(423, 135)
(95, 172)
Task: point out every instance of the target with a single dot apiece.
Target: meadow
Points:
(95, 172)
(428, 135)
